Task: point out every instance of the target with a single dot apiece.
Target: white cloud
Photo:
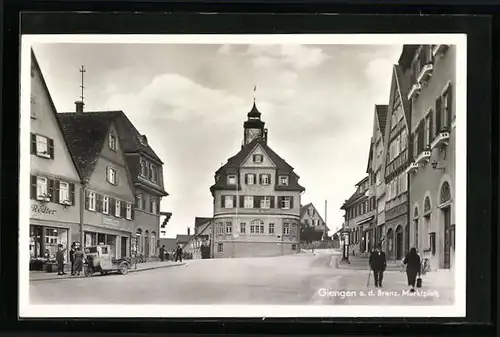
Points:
(295, 56)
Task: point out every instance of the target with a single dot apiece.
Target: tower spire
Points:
(254, 89)
(82, 71)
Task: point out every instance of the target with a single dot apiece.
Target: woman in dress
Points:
(412, 262)
(78, 261)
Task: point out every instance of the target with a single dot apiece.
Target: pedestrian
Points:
(378, 263)
(60, 260)
(412, 262)
(72, 258)
(178, 253)
(78, 260)
(162, 253)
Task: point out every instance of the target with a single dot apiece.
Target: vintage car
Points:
(98, 259)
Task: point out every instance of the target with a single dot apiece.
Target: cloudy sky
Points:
(191, 101)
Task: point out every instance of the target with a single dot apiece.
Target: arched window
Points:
(427, 205)
(152, 245)
(257, 227)
(445, 194)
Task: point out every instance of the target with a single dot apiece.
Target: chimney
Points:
(189, 231)
(79, 107)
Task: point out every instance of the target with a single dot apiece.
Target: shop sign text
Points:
(42, 209)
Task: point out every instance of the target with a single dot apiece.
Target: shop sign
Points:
(42, 209)
(110, 222)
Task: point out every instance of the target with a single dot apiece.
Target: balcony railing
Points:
(424, 156)
(412, 168)
(425, 73)
(441, 139)
(414, 91)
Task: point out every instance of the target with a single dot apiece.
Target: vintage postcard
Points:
(243, 176)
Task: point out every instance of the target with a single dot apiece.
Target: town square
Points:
(242, 174)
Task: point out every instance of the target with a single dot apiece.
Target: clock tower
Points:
(254, 126)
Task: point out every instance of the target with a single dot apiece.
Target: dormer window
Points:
(257, 158)
(283, 181)
(143, 140)
(231, 180)
(112, 142)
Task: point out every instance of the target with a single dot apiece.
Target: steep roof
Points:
(303, 210)
(200, 221)
(381, 112)
(85, 135)
(237, 160)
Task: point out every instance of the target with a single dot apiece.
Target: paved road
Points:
(278, 280)
(296, 279)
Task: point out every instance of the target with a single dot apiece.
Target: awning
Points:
(365, 220)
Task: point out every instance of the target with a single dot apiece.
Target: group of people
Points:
(76, 258)
(378, 264)
(177, 253)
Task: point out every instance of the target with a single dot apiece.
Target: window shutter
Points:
(242, 201)
(56, 192)
(123, 209)
(51, 147)
(431, 125)
(420, 137)
(50, 189)
(112, 206)
(256, 202)
(72, 193)
(246, 179)
(291, 202)
(222, 201)
(132, 213)
(272, 201)
(438, 116)
(260, 178)
(449, 104)
(86, 199)
(234, 201)
(98, 202)
(33, 187)
(280, 202)
(33, 143)
(269, 178)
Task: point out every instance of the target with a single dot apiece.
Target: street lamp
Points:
(345, 252)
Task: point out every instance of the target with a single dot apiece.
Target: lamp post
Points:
(345, 251)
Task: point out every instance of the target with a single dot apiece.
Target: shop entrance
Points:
(447, 236)
(399, 243)
(123, 247)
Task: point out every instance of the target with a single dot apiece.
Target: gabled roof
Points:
(303, 210)
(237, 160)
(381, 112)
(85, 135)
(357, 195)
(200, 221)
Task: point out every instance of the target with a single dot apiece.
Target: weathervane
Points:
(82, 70)
(254, 89)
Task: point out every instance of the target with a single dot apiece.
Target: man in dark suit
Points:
(60, 260)
(72, 258)
(378, 264)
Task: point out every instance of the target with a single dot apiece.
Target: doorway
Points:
(447, 236)
(123, 247)
(399, 243)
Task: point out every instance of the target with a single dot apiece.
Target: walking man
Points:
(378, 264)
(60, 260)
(178, 253)
(72, 258)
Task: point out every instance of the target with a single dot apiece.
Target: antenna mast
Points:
(82, 71)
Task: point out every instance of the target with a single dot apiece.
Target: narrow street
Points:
(296, 279)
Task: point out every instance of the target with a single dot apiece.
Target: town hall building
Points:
(256, 199)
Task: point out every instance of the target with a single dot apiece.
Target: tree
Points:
(310, 234)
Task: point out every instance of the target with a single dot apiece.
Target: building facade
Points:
(432, 172)
(310, 217)
(397, 159)
(360, 210)
(256, 199)
(107, 197)
(55, 183)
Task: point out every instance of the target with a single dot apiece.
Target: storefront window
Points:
(101, 239)
(90, 239)
(111, 241)
(36, 242)
(44, 241)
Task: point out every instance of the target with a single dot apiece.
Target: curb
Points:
(130, 271)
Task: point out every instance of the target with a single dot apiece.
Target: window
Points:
(432, 238)
(257, 158)
(404, 140)
(243, 228)
(229, 227)
(221, 228)
(250, 179)
(41, 189)
(286, 229)
(153, 173)
(228, 201)
(265, 202)
(427, 139)
(117, 208)
(248, 201)
(283, 181)
(231, 180)
(285, 202)
(265, 179)
(139, 201)
(105, 204)
(257, 227)
(42, 146)
(92, 201)
(144, 168)
(446, 102)
(220, 247)
(271, 228)
(129, 211)
(154, 206)
(112, 142)
(111, 175)
(64, 193)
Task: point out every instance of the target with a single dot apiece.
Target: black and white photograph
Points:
(243, 175)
